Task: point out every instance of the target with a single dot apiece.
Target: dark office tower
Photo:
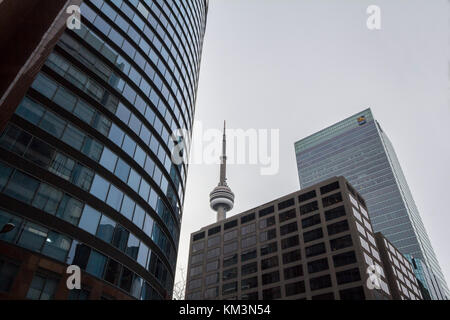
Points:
(86, 173)
(314, 244)
(358, 149)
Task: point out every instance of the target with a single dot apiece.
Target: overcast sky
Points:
(302, 65)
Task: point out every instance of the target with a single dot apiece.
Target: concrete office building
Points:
(316, 243)
(358, 149)
(86, 173)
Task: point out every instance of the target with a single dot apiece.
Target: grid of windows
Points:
(269, 251)
(67, 250)
(112, 92)
(362, 152)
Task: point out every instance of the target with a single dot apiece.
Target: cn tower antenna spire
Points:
(222, 198)
(223, 158)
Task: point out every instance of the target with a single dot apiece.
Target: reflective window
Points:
(114, 198)
(73, 137)
(21, 187)
(30, 111)
(47, 198)
(96, 264)
(106, 228)
(70, 210)
(40, 153)
(82, 177)
(15, 140)
(139, 156)
(112, 271)
(134, 180)
(116, 135)
(148, 225)
(52, 124)
(81, 255)
(108, 159)
(132, 246)
(65, 99)
(127, 208)
(99, 187)
(44, 85)
(122, 170)
(144, 189)
(90, 219)
(142, 255)
(33, 236)
(138, 218)
(120, 238)
(57, 246)
(129, 146)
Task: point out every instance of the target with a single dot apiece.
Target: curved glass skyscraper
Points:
(86, 175)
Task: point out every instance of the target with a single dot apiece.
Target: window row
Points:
(94, 63)
(111, 33)
(48, 121)
(53, 91)
(160, 25)
(37, 151)
(130, 119)
(63, 248)
(42, 196)
(177, 40)
(111, 102)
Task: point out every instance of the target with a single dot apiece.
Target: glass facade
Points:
(92, 140)
(358, 149)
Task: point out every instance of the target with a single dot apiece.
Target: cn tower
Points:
(221, 198)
